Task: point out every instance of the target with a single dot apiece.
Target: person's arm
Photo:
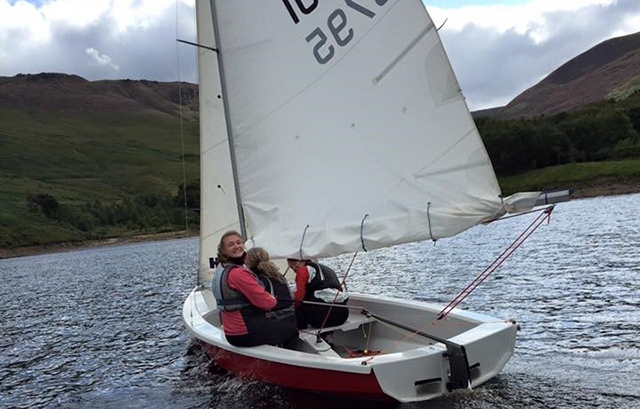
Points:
(244, 282)
(302, 278)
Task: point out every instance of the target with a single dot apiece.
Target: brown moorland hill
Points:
(54, 92)
(608, 70)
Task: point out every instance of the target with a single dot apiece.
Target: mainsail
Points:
(348, 128)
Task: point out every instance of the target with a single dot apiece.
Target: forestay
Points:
(348, 127)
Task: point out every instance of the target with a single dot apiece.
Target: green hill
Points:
(84, 143)
(83, 160)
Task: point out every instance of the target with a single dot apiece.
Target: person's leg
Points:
(242, 340)
(326, 315)
(316, 315)
(337, 316)
(301, 318)
(258, 336)
(283, 332)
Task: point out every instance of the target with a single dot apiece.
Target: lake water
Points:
(101, 328)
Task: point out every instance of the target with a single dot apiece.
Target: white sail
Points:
(218, 205)
(349, 126)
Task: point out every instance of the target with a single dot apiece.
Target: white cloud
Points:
(136, 38)
(528, 19)
(25, 19)
(497, 51)
(101, 59)
(74, 14)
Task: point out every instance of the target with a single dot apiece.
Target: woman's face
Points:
(233, 246)
(295, 264)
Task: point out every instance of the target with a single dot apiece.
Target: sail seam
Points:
(468, 165)
(458, 142)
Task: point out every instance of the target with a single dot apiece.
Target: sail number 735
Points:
(340, 33)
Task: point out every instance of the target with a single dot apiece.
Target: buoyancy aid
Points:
(227, 298)
(325, 278)
(284, 308)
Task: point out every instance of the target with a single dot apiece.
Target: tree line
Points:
(143, 213)
(600, 132)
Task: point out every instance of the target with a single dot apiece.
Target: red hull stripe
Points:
(297, 377)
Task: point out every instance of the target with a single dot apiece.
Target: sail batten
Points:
(403, 53)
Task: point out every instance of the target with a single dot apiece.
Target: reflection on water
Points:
(101, 328)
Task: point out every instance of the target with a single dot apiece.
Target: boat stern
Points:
(483, 352)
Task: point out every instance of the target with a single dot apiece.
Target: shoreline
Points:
(606, 188)
(599, 190)
(81, 245)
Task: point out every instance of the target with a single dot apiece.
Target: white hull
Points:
(401, 365)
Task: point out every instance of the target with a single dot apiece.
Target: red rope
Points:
(326, 317)
(546, 214)
(359, 353)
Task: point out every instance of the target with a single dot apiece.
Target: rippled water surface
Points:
(101, 328)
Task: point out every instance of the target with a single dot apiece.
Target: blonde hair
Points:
(258, 258)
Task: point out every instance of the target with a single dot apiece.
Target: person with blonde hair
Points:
(269, 274)
(245, 305)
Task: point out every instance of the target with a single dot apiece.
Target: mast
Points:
(225, 104)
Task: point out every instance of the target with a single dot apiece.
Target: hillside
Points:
(609, 70)
(62, 93)
(95, 150)
(86, 142)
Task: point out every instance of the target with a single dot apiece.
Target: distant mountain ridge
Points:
(609, 70)
(54, 92)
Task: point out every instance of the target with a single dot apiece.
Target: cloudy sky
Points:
(497, 48)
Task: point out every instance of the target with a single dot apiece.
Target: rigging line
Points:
(406, 332)
(367, 335)
(180, 111)
(352, 307)
(197, 45)
(546, 214)
(493, 266)
(342, 284)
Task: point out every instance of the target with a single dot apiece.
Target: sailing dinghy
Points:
(336, 127)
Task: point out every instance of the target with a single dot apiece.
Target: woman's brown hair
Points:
(258, 258)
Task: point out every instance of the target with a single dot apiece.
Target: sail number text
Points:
(337, 25)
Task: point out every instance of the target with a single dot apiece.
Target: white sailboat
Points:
(330, 128)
